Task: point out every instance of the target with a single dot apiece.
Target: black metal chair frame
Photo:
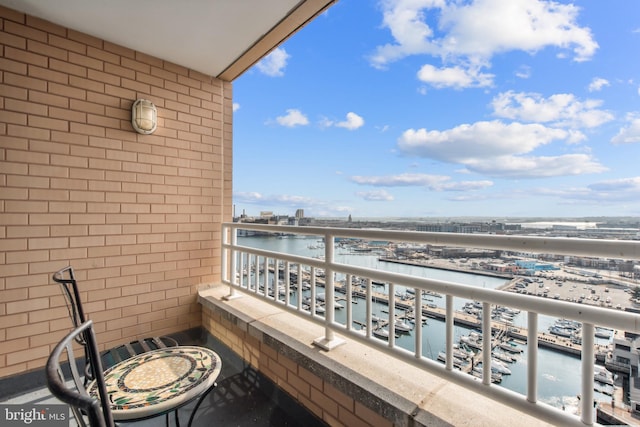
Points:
(66, 278)
(97, 411)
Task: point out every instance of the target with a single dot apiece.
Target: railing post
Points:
(449, 333)
(312, 302)
(299, 302)
(588, 362)
(369, 316)
(391, 327)
(329, 341)
(486, 343)
(233, 265)
(417, 317)
(224, 273)
(349, 297)
(532, 357)
(287, 283)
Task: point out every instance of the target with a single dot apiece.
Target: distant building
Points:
(459, 227)
(299, 213)
(625, 361)
(535, 266)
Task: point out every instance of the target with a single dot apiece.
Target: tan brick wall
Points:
(314, 393)
(138, 216)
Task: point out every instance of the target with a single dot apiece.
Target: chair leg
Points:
(200, 399)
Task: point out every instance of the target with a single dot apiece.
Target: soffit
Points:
(221, 38)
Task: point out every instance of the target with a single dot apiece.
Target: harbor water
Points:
(559, 379)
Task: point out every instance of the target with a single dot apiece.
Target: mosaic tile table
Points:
(159, 381)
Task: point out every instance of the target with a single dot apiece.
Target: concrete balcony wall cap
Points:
(400, 392)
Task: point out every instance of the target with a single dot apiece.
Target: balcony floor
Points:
(243, 397)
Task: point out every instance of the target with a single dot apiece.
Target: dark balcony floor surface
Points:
(243, 397)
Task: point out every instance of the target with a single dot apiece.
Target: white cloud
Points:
(274, 64)
(293, 118)
(536, 167)
(236, 106)
(625, 184)
(375, 196)
(597, 84)
(621, 190)
(455, 77)
(523, 72)
(469, 34)
(477, 140)
(498, 149)
(560, 109)
(486, 27)
(352, 122)
(432, 182)
(629, 134)
(249, 196)
(406, 21)
(402, 180)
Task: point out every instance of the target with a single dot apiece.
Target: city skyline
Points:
(442, 109)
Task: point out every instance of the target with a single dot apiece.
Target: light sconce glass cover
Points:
(144, 116)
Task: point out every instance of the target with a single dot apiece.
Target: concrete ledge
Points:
(351, 385)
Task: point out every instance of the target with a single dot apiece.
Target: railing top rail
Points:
(604, 248)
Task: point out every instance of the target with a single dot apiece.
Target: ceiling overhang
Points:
(221, 38)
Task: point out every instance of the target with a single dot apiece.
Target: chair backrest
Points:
(73, 392)
(67, 279)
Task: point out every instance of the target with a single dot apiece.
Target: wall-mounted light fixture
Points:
(144, 116)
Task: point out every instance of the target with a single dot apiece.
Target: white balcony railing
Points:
(267, 266)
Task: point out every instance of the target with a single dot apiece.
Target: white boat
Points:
(473, 340)
(321, 299)
(511, 348)
(457, 362)
(381, 333)
(496, 377)
(401, 326)
(602, 375)
(498, 366)
(319, 309)
(503, 357)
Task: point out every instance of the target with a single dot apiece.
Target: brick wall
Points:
(138, 216)
(318, 395)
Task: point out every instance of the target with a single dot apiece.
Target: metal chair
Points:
(73, 392)
(112, 357)
(66, 278)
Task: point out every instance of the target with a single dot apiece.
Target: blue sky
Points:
(438, 108)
